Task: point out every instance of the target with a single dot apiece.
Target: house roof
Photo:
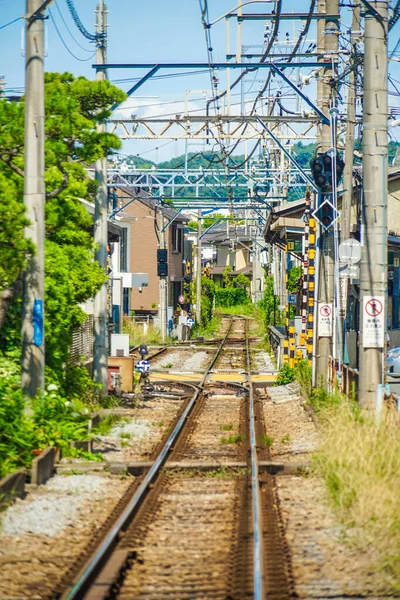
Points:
(219, 235)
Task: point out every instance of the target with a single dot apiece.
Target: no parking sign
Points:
(373, 322)
(325, 320)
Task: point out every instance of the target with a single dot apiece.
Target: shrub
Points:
(285, 375)
(230, 297)
(16, 431)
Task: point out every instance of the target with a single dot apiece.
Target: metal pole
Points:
(327, 41)
(373, 277)
(33, 347)
(198, 270)
(100, 352)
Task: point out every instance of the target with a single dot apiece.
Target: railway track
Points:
(204, 520)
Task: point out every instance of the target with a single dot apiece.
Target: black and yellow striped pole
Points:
(305, 269)
(311, 288)
(286, 340)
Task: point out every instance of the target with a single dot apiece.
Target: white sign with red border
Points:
(373, 322)
(325, 320)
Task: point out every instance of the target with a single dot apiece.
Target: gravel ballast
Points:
(42, 535)
(184, 360)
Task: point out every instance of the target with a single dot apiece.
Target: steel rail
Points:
(79, 588)
(258, 575)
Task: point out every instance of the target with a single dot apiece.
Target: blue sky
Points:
(139, 31)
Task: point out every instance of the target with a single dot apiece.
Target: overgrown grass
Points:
(210, 329)
(359, 460)
(137, 336)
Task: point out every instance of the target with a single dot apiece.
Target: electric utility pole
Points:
(33, 356)
(198, 270)
(346, 215)
(345, 219)
(100, 350)
(327, 42)
(163, 289)
(373, 277)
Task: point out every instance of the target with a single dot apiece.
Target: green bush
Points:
(230, 296)
(16, 431)
(285, 375)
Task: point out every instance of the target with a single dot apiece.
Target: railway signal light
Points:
(162, 262)
(326, 214)
(162, 269)
(321, 169)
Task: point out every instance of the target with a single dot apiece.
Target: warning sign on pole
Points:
(373, 322)
(325, 320)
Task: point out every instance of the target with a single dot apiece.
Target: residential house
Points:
(141, 219)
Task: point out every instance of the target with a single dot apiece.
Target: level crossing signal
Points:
(321, 169)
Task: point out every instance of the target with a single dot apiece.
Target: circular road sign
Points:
(374, 307)
(325, 310)
(181, 299)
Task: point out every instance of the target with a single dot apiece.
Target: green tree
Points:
(73, 108)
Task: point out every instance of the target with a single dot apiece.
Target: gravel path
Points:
(184, 360)
(288, 425)
(42, 535)
(324, 565)
(323, 561)
(262, 361)
(137, 436)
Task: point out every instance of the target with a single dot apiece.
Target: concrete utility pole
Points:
(33, 349)
(163, 281)
(345, 220)
(346, 213)
(198, 270)
(327, 41)
(373, 278)
(100, 350)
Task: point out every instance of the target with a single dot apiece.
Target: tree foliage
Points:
(73, 107)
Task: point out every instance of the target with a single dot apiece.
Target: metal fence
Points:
(82, 343)
(388, 403)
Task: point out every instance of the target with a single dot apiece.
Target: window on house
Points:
(123, 253)
(176, 238)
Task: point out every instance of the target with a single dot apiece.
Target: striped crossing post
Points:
(286, 341)
(311, 288)
(292, 344)
(305, 269)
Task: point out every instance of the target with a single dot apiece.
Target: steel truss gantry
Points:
(207, 127)
(168, 183)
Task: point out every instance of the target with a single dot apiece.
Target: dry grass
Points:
(137, 337)
(360, 461)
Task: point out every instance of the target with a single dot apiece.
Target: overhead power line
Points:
(66, 45)
(93, 37)
(10, 23)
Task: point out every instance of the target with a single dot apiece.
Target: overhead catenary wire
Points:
(93, 37)
(69, 31)
(66, 45)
